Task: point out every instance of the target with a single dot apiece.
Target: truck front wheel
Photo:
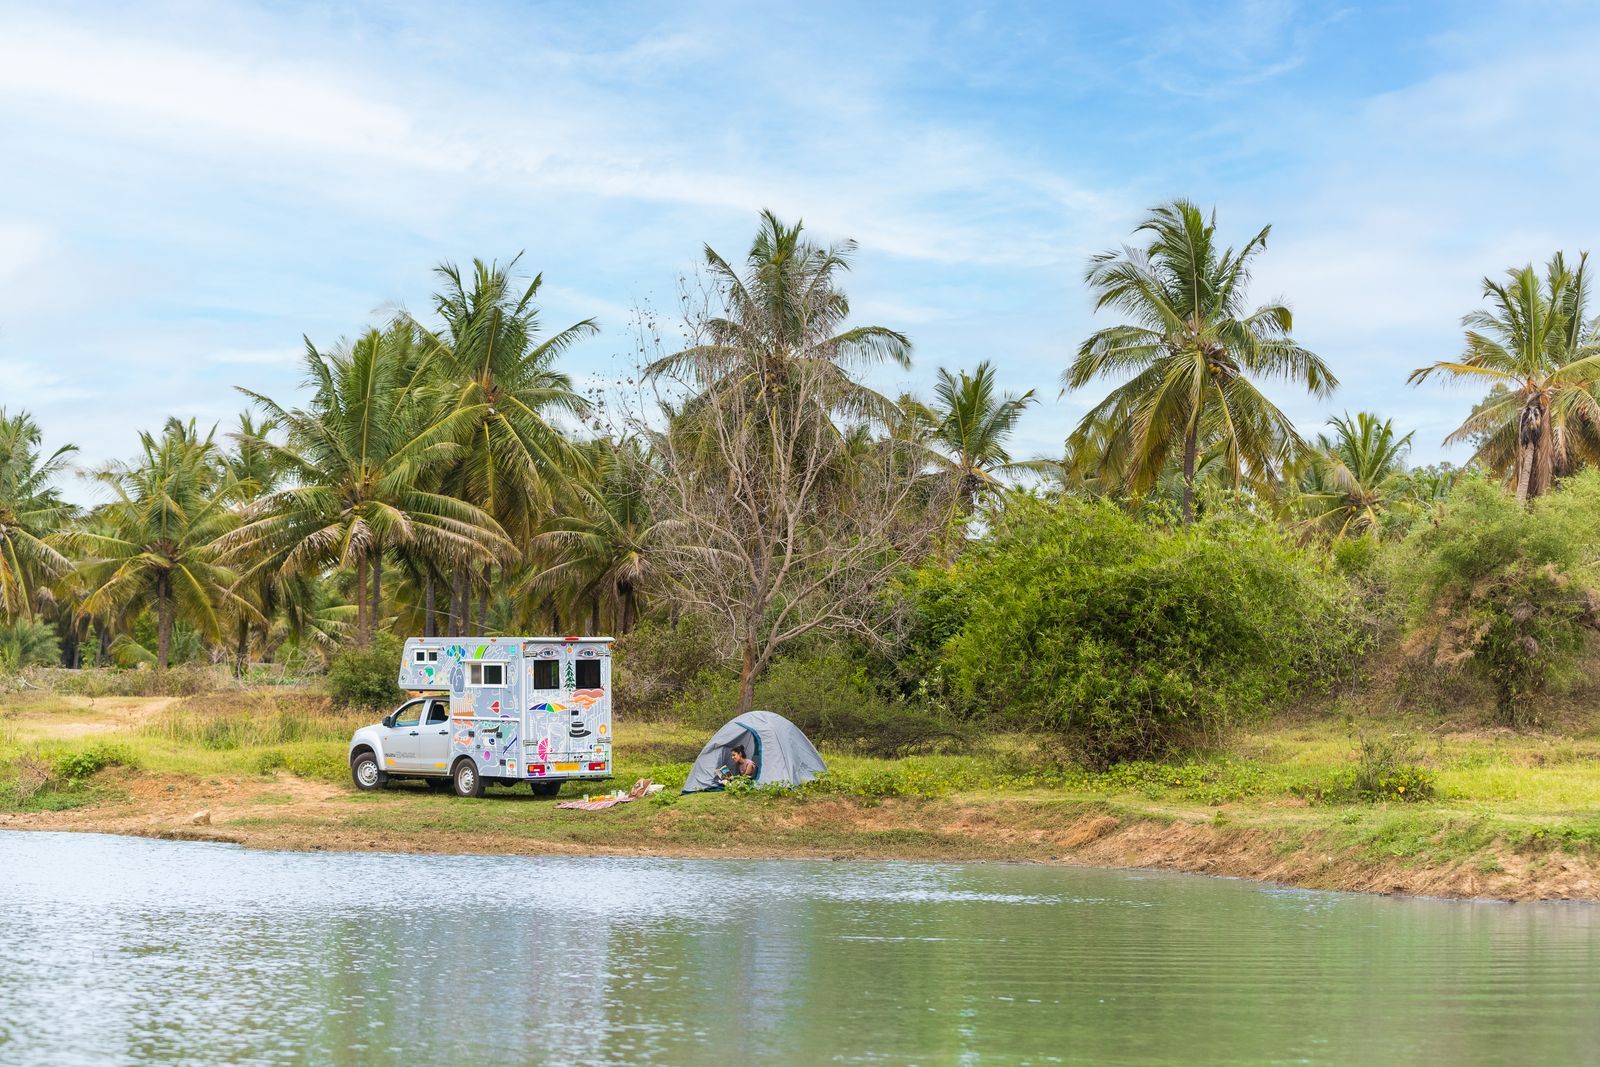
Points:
(367, 774)
(466, 779)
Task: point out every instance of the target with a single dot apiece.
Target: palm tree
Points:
(359, 455)
(603, 549)
(1356, 479)
(970, 425)
(32, 513)
(784, 317)
(1533, 344)
(154, 546)
(499, 369)
(1189, 354)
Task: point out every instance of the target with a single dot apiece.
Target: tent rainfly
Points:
(783, 755)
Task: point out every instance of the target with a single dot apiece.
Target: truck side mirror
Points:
(388, 720)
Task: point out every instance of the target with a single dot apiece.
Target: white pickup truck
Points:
(490, 711)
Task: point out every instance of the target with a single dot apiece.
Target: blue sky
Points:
(188, 188)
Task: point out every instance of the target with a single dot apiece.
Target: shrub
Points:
(1387, 768)
(657, 664)
(365, 677)
(1505, 591)
(1136, 639)
(82, 763)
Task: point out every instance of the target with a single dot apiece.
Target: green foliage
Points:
(26, 643)
(1386, 769)
(365, 677)
(657, 663)
(80, 764)
(1135, 639)
(1505, 591)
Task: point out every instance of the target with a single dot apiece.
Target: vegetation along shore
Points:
(1198, 639)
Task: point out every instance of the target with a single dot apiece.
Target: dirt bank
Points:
(286, 812)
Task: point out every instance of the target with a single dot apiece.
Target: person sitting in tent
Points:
(742, 766)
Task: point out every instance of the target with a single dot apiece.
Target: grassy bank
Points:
(1512, 814)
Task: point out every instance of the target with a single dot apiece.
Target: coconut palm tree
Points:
(154, 546)
(502, 376)
(1189, 354)
(970, 425)
(359, 456)
(786, 310)
(1533, 344)
(1355, 480)
(32, 514)
(602, 549)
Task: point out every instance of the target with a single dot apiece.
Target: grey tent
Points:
(783, 755)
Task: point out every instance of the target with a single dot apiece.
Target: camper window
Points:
(487, 675)
(425, 655)
(588, 676)
(546, 674)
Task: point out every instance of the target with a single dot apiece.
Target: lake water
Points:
(118, 950)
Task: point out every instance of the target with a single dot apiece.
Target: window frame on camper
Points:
(424, 657)
(478, 666)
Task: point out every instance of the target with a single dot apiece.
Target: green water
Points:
(116, 950)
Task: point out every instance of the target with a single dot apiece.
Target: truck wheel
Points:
(466, 779)
(545, 789)
(367, 774)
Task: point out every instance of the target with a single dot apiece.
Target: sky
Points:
(188, 190)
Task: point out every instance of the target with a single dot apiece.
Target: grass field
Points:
(1512, 814)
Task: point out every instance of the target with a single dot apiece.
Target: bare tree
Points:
(774, 519)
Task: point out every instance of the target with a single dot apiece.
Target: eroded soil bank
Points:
(1445, 857)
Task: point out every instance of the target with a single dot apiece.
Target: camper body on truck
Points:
(490, 711)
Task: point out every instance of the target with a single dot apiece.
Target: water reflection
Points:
(124, 950)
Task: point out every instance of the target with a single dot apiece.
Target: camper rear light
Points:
(597, 766)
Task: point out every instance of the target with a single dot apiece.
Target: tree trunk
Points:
(1524, 469)
(1191, 452)
(483, 605)
(555, 619)
(458, 602)
(103, 656)
(375, 613)
(361, 601)
(241, 656)
(594, 616)
(747, 680)
(625, 623)
(1540, 477)
(163, 621)
(429, 629)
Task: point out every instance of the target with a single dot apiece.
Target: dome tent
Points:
(783, 755)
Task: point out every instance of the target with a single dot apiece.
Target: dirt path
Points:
(68, 717)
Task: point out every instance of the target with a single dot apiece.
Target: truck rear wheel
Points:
(366, 772)
(466, 780)
(545, 789)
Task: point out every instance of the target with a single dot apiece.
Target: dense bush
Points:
(1135, 638)
(657, 663)
(365, 677)
(1505, 591)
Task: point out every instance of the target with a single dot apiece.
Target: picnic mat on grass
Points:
(642, 788)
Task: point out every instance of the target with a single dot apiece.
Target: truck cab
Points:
(494, 711)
